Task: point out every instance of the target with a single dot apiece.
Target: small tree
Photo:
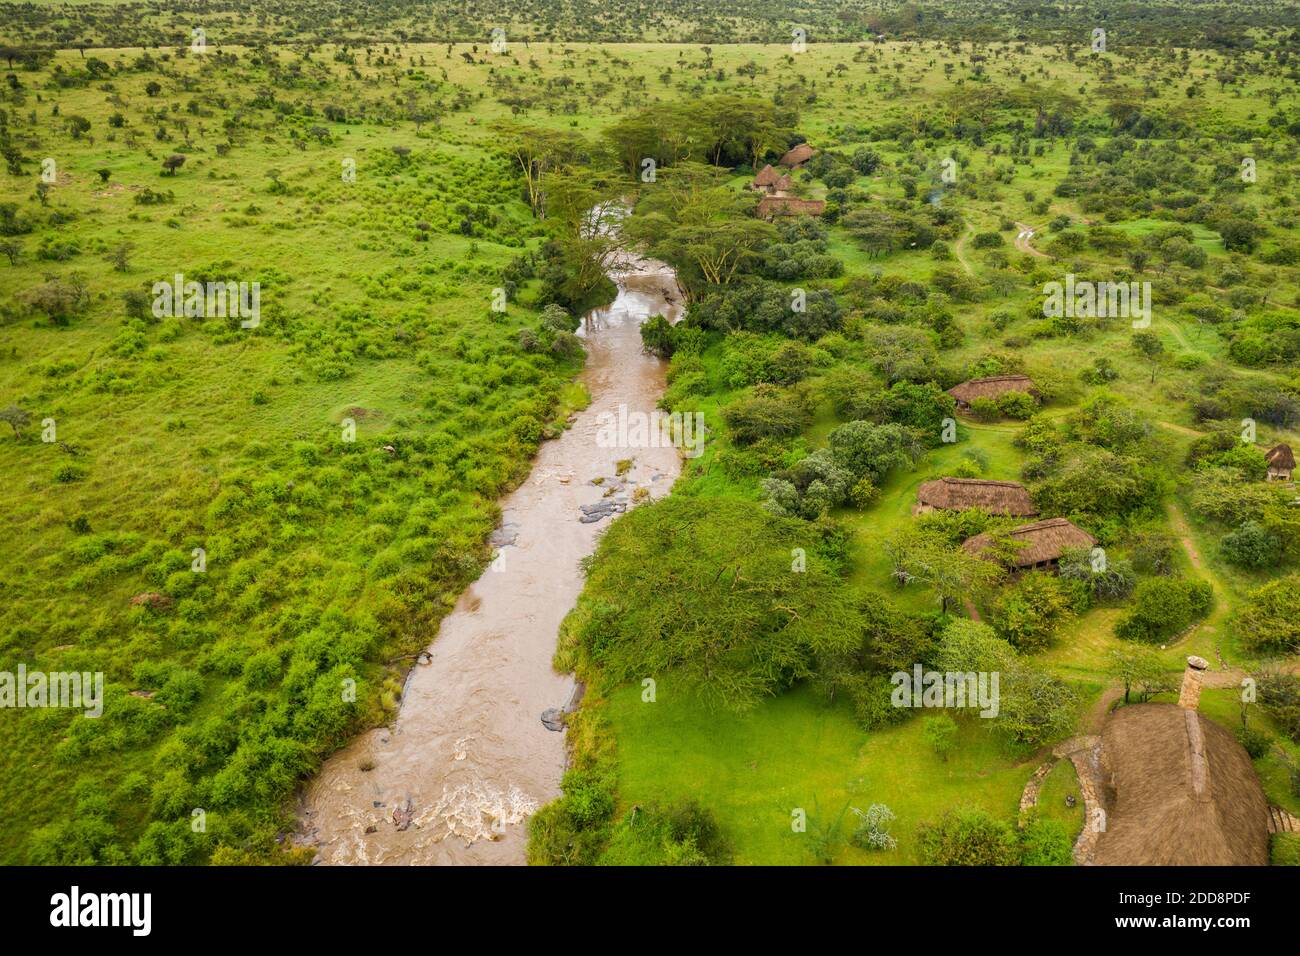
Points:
(1148, 345)
(11, 248)
(120, 256)
(78, 126)
(941, 734)
(1140, 672)
(172, 163)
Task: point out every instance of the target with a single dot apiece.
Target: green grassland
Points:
(328, 560)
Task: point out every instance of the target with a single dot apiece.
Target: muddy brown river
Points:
(455, 777)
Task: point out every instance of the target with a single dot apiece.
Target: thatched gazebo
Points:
(957, 494)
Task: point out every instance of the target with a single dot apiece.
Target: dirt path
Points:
(1181, 429)
(1022, 240)
(959, 249)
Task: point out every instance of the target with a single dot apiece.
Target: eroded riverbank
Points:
(468, 759)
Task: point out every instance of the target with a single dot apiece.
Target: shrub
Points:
(864, 493)
(1254, 741)
(657, 336)
(1164, 606)
(940, 733)
(1110, 580)
(762, 415)
(1045, 842)
(1251, 546)
(985, 409)
(1268, 621)
(1279, 697)
(677, 834)
(1284, 850)
(872, 830)
(1018, 405)
(968, 837)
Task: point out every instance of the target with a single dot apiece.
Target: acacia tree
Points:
(1149, 346)
(538, 152)
(692, 221)
(1139, 670)
(16, 418)
(953, 574)
(583, 217)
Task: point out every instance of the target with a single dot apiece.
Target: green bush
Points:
(763, 415)
(1254, 741)
(1045, 842)
(1164, 606)
(678, 834)
(1284, 849)
(968, 837)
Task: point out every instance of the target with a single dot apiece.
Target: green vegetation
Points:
(249, 528)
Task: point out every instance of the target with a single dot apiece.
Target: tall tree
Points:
(538, 151)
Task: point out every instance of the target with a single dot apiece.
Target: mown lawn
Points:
(793, 751)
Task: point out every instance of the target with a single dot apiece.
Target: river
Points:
(454, 778)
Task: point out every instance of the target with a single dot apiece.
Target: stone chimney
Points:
(1190, 695)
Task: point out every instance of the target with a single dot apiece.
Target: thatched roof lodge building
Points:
(769, 207)
(1041, 544)
(1181, 789)
(797, 156)
(993, 387)
(1281, 462)
(766, 178)
(958, 494)
(770, 181)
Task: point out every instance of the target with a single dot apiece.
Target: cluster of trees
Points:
(1259, 528)
(859, 456)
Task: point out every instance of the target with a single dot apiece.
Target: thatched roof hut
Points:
(767, 176)
(992, 387)
(957, 494)
(771, 206)
(1041, 543)
(1184, 792)
(1281, 462)
(798, 155)
(784, 184)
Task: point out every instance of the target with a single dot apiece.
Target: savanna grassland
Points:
(329, 554)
